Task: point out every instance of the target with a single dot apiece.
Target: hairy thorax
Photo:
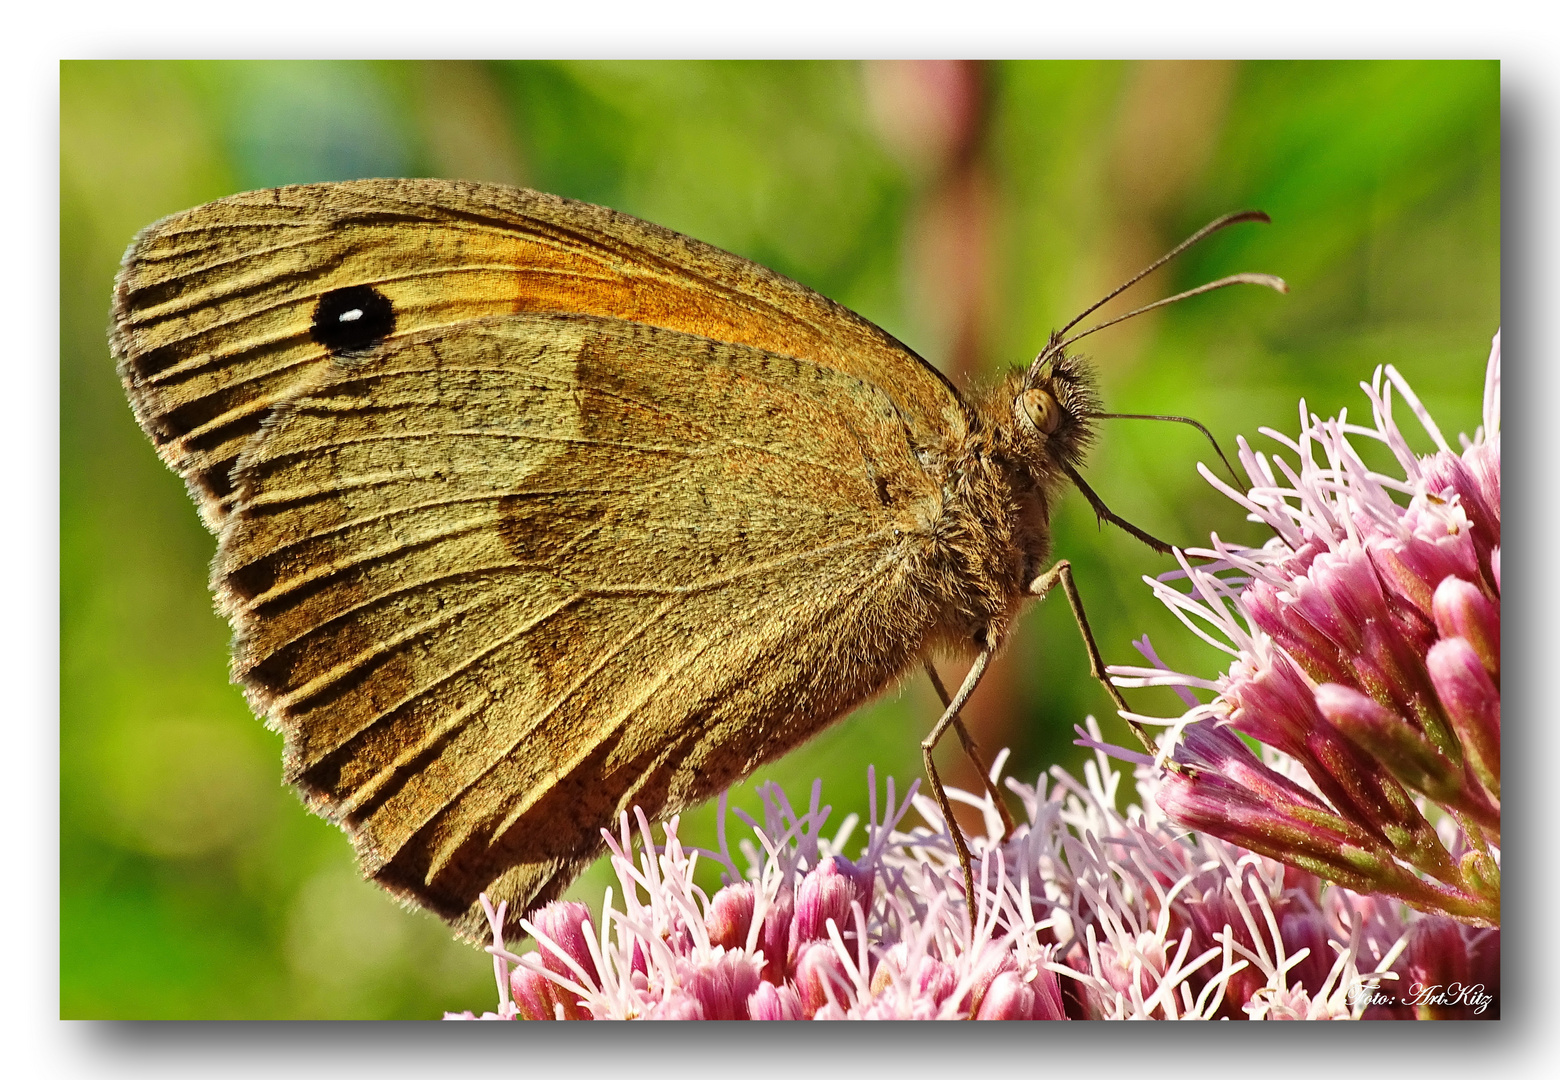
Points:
(988, 537)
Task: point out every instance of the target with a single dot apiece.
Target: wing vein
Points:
(326, 679)
(726, 579)
(606, 657)
(358, 797)
(359, 559)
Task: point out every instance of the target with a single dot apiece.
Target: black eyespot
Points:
(352, 319)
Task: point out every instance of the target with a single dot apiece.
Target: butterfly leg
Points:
(1104, 513)
(972, 751)
(1062, 572)
(949, 717)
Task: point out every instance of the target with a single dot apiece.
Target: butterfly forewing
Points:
(215, 307)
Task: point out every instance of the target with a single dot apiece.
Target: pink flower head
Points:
(1365, 639)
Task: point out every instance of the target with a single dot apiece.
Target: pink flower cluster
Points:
(716, 976)
(1082, 913)
(1366, 646)
(790, 943)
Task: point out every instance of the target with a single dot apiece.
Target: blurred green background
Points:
(967, 208)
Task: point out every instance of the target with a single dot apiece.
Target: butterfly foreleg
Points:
(949, 718)
(1062, 572)
(1104, 513)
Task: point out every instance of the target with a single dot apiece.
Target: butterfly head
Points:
(1053, 407)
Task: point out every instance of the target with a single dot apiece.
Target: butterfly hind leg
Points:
(950, 718)
(1060, 573)
(972, 751)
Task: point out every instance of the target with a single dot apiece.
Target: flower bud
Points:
(1436, 957)
(538, 997)
(1472, 702)
(1309, 647)
(1007, 998)
(970, 1004)
(1222, 788)
(1337, 595)
(819, 966)
(722, 986)
(566, 923)
(1306, 930)
(1483, 462)
(769, 1002)
(1210, 917)
(1461, 610)
(1414, 565)
(935, 979)
(1446, 472)
(1315, 840)
(1048, 996)
(1216, 748)
(730, 916)
(774, 937)
(1406, 753)
(1272, 703)
(826, 893)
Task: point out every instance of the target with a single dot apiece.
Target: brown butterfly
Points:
(529, 511)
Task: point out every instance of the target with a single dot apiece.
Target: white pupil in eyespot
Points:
(350, 316)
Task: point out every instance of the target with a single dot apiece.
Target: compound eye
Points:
(1042, 410)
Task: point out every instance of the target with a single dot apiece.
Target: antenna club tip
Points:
(1237, 218)
(1277, 284)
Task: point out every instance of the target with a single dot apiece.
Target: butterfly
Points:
(529, 512)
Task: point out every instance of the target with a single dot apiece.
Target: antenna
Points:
(1180, 420)
(1058, 342)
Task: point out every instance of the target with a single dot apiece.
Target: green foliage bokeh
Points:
(194, 886)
